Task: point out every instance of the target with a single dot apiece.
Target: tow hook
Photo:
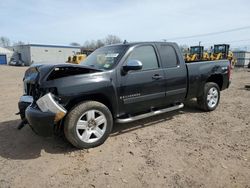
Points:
(22, 124)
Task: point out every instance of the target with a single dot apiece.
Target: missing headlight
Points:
(48, 104)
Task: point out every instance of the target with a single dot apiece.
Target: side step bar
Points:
(153, 113)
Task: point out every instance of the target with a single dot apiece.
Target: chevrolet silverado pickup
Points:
(117, 83)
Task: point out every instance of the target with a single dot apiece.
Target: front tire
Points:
(210, 97)
(88, 124)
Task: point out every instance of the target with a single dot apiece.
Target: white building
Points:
(38, 53)
(243, 58)
(5, 56)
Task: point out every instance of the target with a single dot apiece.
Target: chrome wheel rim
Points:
(91, 126)
(212, 97)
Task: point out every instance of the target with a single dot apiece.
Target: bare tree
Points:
(99, 43)
(86, 44)
(4, 41)
(19, 43)
(74, 44)
(112, 39)
(90, 44)
(94, 44)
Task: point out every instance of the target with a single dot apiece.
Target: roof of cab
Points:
(138, 43)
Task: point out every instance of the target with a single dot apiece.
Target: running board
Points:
(153, 113)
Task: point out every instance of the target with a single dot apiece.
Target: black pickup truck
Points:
(122, 83)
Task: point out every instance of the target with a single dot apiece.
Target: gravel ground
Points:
(187, 148)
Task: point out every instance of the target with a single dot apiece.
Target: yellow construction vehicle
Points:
(196, 53)
(78, 58)
(221, 51)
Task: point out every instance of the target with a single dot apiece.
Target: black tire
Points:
(70, 129)
(202, 100)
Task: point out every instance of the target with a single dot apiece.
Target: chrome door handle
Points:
(157, 77)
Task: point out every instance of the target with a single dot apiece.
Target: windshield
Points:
(219, 49)
(195, 50)
(105, 58)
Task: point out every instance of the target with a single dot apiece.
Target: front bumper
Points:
(23, 103)
(42, 123)
(42, 115)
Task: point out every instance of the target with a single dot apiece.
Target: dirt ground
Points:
(187, 148)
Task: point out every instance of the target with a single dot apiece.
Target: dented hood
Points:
(38, 72)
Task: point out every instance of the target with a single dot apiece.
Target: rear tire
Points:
(88, 124)
(210, 97)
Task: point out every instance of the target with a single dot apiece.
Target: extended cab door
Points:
(142, 89)
(175, 72)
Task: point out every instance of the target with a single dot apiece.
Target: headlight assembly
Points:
(48, 104)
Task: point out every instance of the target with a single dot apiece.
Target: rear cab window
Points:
(168, 56)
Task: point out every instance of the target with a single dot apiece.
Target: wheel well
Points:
(93, 97)
(216, 78)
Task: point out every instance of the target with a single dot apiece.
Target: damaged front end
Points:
(41, 106)
(44, 114)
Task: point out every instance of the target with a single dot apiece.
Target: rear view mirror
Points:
(132, 65)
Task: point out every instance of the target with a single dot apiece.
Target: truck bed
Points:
(198, 72)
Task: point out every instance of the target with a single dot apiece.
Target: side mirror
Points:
(132, 65)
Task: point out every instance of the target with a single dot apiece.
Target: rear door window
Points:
(168, 56)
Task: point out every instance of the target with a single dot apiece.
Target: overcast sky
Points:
(66, 21)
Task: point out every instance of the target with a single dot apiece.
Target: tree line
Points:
(90, 44)
(94, 44)
(5, 42)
